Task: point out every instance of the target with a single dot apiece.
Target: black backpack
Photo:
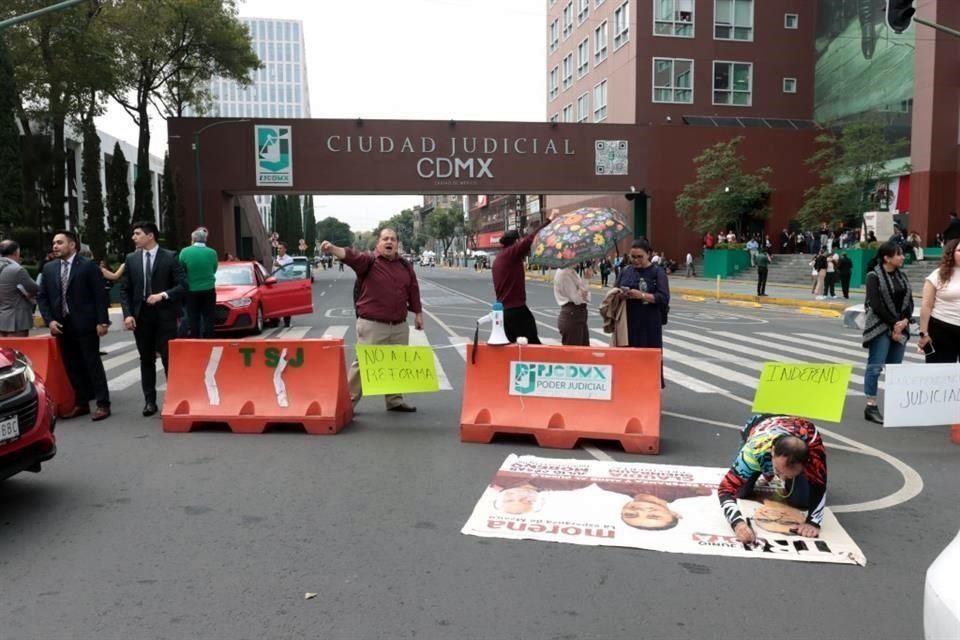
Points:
(358, 285)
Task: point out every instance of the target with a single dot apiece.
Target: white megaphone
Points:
(495, 317)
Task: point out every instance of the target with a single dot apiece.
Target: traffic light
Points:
(899, 14)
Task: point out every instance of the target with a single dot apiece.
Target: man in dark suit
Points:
(953, 228)
(150, 293)
(73, 303)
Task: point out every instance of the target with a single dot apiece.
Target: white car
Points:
(941, 595)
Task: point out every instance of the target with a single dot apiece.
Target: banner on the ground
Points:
(921, 395)
(807, 389)
(643, 506)
(386, 369)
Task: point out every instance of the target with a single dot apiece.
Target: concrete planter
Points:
(725, 262)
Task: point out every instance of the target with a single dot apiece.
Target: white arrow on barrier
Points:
(209, 376)
(278, 386)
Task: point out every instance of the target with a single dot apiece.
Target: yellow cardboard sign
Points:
(386, 369)
(810, 390)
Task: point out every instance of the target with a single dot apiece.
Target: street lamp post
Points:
(198, 175)
(66, 4)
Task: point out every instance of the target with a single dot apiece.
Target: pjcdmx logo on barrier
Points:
(274, 156)
(561, 380)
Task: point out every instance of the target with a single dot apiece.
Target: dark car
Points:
(27, 417)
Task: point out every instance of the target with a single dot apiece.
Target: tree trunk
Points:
(143, 189)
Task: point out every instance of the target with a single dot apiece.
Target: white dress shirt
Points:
(569, 287)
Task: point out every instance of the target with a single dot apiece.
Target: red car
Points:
(247, 297)
(27, 417)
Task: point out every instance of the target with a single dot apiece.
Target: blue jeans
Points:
(882, 350)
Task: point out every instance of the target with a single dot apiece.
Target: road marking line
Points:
(129, 378)
(855, 341)
(689, 298)
(293, 333)
(419, 339)
(116, 361)
(826, 313)
(336, 331)
(596, 453)
(117, 346)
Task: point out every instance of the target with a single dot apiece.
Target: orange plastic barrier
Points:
(252, 384)
(561, 394)
(955, 434)
(44, 353)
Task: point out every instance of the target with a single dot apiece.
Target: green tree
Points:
(169, 50)
(851, 166)
(723, 194)
(362, 240)
(11, 169)
(96, 235)
(339, 233)
(442, 225)
(118, 203)
(309, 225)
(295, 217)
(169, 208)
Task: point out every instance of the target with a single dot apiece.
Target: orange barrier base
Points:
(222, 382)
(44, 354)
(493, 403)
(955, 434)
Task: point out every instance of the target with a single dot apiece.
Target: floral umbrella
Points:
(580, 236)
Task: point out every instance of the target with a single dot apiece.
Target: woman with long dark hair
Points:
(646, 291)
(889, 306)
(940, 310)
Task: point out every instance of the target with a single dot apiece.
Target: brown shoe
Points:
(76, 412)
(403, 408)
(102, 413)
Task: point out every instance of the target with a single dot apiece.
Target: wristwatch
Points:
(922, 334)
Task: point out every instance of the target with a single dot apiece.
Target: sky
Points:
(405, 59)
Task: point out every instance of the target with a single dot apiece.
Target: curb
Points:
(746, 297)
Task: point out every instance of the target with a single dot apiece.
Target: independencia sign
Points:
(809, 390)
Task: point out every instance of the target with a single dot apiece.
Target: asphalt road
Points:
(133, 533)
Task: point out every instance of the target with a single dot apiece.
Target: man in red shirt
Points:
(510, 285)
(388, 290)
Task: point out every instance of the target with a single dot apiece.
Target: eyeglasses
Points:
(633, 257)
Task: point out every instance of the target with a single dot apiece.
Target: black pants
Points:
(153, 333)
(946, 341)
(829, 287)
(844, 283)
(201, 312)
(761, 281)
(519, 322)
(572, 324)
(81, 359)
(604, 279)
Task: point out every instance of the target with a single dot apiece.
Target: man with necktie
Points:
(73, 303)
(150, 292)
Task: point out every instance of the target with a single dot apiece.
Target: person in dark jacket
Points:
(844, 271)
(73, 303)
(952, 232)
(644, 286)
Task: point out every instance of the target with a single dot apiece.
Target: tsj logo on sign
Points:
(561, 380)
(274, 156)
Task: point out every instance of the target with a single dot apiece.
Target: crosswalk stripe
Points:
(293, 333)
(419, 339)
(118, 361)
(117, 346)
(764, 356)
(855, 342)
(697, 386)
(461, 344)
(129, 378)
(336, 331)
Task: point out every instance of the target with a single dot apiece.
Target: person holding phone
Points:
(645, 288)
(940, 309)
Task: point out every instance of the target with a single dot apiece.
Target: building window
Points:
(733, 83)
(789, 85)
(583, 108)
(673, 80)
(600, 43)
(554, 82)
(554, 34)
(555, 117)
(598, 3)
(733, 19)
(567, 71)
(583, 10)
(673, 18)
(568, 113)
(567, 20)
(621, 25)
(791, 21)
(600, 101)
(583, 58)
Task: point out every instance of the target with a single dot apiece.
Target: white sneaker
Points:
(821, 297)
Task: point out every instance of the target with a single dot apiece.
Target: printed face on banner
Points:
(561, 380)
(809, 390)
(274, 155)
(658, 507)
